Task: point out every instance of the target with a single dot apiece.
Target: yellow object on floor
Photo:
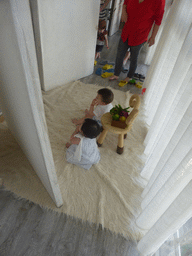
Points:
(122, 83)
(95, 62)
(139, 85)
(107, 74)
(107, 66)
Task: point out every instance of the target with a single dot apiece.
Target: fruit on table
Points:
(115, 117)
(124, 113)
(122, 118)
(118, 111)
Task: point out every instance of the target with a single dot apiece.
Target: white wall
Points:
(20, 94)
(67, 36)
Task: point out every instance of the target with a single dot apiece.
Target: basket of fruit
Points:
(119, 116)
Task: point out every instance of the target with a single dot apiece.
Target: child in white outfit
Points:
(82, 149)
(99, 106)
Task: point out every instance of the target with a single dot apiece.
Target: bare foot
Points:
(113, 78)
(67, 145)
(127, 79)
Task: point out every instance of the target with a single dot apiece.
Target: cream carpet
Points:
(110, 192)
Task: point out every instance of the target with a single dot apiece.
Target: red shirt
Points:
(141, 17)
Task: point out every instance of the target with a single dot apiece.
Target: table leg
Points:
(120, 145)
(102, 137)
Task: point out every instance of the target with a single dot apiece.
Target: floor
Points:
(28, 230)
(110, 56)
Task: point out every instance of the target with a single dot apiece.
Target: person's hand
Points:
(94, 102)
(107, 47)
(68, 145)
(124, 15)
(151, 41)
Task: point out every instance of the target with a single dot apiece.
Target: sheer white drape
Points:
(167, 202)
(150, 51)
(168, 223)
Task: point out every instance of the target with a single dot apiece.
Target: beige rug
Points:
(110, 192)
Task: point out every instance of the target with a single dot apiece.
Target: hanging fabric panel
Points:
(169, 222)
(158, 139)
(151, 50)
(168, 159)
(169, 188)
(166, 204)
(168, 50)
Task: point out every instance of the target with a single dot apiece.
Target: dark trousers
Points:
(121, 51)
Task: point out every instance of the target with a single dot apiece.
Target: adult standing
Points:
(139, 17)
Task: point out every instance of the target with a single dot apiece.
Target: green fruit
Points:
(115, 117)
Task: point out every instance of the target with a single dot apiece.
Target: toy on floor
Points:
(107, 74)
(107, 66)
(139, 85)
(111, 70)
(122, 83)
(99, 71)
(143, 91)
(132, 81)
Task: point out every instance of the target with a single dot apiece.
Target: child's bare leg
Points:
(97, 55)
(78, 121)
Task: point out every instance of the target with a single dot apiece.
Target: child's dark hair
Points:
(102, 24)
(90, 128)
(106, 94)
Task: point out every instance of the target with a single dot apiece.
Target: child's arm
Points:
(89, 113)
(106, 41)
(124, 14)
(77, 130)
(93, 104)
(75, 140)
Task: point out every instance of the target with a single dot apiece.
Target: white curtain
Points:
(167, 202)
(151, 50)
